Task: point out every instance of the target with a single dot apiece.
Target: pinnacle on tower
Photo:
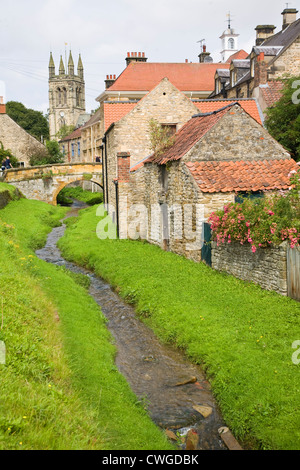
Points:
(51, 67)
(61, 67)
(80, 67)
(70, 65)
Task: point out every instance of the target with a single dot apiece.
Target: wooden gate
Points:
(293, 273)
(206, 248)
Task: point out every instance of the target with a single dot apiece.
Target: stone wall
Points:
(287, 63)
(266, 267)
(166, 104)
(236, 137)
(171, 198)
(21, 144)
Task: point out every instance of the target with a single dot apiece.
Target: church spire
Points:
(61, 67)
(51, 67)
(80, 67)
(71, 65)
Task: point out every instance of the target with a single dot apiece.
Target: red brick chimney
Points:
(135, 57)
(260, 71)
(123, 166)
(2, 106)
(110, 80)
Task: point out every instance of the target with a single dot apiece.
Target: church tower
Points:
(229, 42)
(66, 95)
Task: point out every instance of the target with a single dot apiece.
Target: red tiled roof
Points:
(113, 111)
(239, 55)
(144, 76)
(74, 135)
(189, 135)
(223, 176)
(272, 92)
(249, 105)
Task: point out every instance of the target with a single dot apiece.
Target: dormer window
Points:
(252, 68)
(232, 78)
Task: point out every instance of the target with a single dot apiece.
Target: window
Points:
(241, 196)
(63, 150)
(78, 149)
(171, 128)
(231, 43)
(72, 150)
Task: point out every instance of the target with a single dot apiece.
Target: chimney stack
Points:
(135, 57)
(110, 80)
(260, 71)
(123, 159)
(204, 56)
(2, 106)
(264, 32)
(289, 16)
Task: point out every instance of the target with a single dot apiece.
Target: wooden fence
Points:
(293, 273)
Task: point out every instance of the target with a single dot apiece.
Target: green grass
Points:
(241, 334)
(60, 388)
(67, 193)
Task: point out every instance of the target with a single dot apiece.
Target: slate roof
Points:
(223, 176)
(283, 38)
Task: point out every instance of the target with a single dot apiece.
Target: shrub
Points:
(262, 222)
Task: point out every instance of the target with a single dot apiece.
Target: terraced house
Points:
(273, 57)
(217, 157)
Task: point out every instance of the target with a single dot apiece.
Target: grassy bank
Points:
(59, 386)
(67, 195)
(242, 334)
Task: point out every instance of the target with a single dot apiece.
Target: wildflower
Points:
(253, 248)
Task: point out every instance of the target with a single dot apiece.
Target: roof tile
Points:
(242, 176)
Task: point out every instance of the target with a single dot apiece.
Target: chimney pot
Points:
(204, 48)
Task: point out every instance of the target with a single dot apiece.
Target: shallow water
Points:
(152, 369)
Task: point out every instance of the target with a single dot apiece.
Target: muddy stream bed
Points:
(157, 373)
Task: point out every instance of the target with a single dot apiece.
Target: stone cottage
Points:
(216, 157)
(13, 137)
(167, 105)
(274, 56)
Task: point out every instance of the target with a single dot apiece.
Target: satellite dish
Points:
(208, 59)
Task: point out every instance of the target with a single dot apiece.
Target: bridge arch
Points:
(43, 183)
(62, 185)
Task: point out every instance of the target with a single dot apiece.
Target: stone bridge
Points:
(45, 182)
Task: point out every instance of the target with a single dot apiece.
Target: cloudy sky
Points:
(103, 31)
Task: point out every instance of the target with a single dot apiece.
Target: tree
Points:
(4, 153)
(283, 119)
(50, 156)
(161, 137)
(34, 122)
(64, 131)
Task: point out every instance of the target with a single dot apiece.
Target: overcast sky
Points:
(104, 31)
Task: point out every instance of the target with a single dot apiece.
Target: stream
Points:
(157, 373)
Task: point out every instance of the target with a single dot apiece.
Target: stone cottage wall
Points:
(16, 139)
(267, 267)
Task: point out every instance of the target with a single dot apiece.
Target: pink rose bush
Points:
(261, 222)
